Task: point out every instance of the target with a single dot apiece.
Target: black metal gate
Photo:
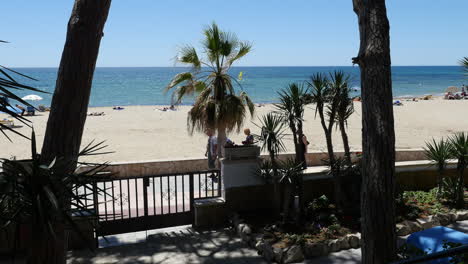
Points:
(143, 203)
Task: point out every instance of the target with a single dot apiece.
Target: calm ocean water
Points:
(145, 86)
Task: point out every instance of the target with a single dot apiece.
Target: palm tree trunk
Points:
(68, 109)
(344, 136)
(221, 141)
(378, 134)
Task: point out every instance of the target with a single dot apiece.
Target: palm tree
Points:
(271, 136)
(459, 150)
(439, 152)
(291, 107)
(217, 106)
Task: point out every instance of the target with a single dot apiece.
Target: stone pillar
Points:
(244, 189)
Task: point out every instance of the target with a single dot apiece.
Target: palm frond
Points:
(464, 64)
(188, 55)
(244, 49)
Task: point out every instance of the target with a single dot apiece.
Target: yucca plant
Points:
(325, 94)
(439, 152)
(271, 137)
(345, 109)
(41, 197)
(291, 176)
(292, 101)
(8, 85)
(217, 105)
(459, 150)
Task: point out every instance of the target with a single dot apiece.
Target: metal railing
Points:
(133, 197)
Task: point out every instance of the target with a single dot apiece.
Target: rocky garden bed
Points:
(323, 233)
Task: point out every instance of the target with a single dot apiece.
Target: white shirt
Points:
(213, 142)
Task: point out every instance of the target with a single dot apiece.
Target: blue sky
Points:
(284, 33)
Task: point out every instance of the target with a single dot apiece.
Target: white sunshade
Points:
(32, 97)
(452, 89)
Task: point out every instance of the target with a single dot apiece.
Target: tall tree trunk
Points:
(75, 75)
(378, 135)
(344, 136)
(68, 110)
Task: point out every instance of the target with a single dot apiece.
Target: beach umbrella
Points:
(32, 97)
(452, 89)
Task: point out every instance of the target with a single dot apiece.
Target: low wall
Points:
(146, 168)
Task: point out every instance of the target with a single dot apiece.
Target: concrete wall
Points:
(145, 168)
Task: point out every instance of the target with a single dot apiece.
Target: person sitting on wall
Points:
(249, 140)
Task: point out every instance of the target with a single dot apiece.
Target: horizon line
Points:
(256, 66)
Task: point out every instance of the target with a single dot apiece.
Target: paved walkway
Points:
(184, 245)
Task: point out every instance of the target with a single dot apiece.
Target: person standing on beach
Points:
(211, 148)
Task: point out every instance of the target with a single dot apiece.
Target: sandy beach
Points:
(145, 133)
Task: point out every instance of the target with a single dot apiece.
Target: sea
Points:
(146, 86)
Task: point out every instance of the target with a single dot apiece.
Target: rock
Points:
(240, 227)
(343, 243)
(413, 226)
(246, 233)
(402, 229)
(425, 222)
(452, 216)
(443, 219)
(259, 246)
(462, 215)
(267, 252)
(333, 245)
(294, 254)
(278, 254)
(315, 249)
(353, 240)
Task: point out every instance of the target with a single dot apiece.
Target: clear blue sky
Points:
(284, 33)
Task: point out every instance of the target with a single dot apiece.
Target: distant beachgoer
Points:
(211, 148)
(21, 108)
(249, 140)
(172, 108)
(118, 108)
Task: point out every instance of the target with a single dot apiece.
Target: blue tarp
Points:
(432, 240)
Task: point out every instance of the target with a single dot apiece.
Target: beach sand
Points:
(141, 133)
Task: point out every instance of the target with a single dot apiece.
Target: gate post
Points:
(191, 197)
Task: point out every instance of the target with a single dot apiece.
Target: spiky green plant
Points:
(464, 64)
(217, 105)
(292, 101)
(439, 152)
(325, 93)
(345, 109)
(271, 137)
(8, 85)
(459, 150)
(43, 198)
